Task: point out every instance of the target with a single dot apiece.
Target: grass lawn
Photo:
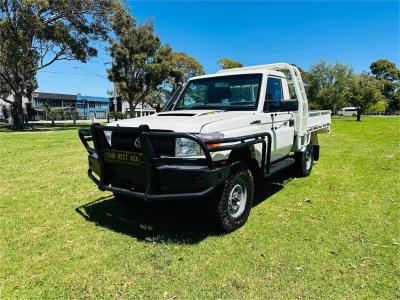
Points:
(335, 234)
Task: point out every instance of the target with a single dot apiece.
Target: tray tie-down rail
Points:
(151, 157)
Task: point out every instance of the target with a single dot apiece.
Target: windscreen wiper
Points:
(238, 107)
(201, 107)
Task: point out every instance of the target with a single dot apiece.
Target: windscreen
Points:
(234, 92)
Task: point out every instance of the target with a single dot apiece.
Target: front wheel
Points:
(304, 161)
(234, 205)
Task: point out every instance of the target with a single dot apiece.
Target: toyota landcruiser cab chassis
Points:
(215, 134)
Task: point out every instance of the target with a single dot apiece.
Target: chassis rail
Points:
(151, 157)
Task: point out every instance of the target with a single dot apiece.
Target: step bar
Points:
(280, 165)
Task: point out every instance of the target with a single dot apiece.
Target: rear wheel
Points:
(234, 205)
(304, 161)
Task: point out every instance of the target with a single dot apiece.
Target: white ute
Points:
(212, 138)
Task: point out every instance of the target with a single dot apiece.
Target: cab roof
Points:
(263, 69)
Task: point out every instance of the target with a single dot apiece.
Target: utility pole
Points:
(115, 96)
(115, 102)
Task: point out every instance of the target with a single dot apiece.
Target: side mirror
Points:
(289, 105)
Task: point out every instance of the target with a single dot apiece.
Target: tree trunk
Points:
(358, 115)
(18, 111)
(131, 108)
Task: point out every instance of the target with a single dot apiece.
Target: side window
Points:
(273, 96)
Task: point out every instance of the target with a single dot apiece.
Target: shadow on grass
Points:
(43, 127)
(169, 222)
(268, 187)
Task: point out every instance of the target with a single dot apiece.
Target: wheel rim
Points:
(308, 159)
(237, 200)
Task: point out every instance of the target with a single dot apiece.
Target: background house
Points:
(89, 107)
(123, 107)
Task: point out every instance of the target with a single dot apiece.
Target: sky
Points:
(252, 32)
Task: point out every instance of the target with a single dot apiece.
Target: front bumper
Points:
(171, 184)
(156, 177)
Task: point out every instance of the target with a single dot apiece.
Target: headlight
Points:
(187, 147)
(108, 136)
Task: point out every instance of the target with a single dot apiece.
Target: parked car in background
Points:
(348, 112)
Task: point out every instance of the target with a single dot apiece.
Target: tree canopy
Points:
(35, 34)
(364, 92)
(389, 75)
(335, 86)
(384, 69)
(140, 61)
(227, 63)
(184, 67)
(328, 85)
(144, 69)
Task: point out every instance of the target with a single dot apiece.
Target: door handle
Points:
(255, 122)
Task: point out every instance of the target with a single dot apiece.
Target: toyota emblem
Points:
(137, 143)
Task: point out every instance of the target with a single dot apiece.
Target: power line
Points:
(79, 74)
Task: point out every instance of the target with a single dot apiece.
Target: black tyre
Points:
(234, 205)
(304, 161)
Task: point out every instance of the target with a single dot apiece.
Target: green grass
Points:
(335, 234)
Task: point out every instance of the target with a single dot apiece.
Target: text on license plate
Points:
(122, 156)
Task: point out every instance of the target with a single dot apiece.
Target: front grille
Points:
(126, 141)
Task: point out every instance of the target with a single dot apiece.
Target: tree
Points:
(30, 112)
(35, 34)
(328, 85)
(364, 92)
(5, 112)
(140, 62)
(226, 63)
(389, 75)
(157, 97)
(394, 103)
(384, 69)
(377, 108)
(183, 68)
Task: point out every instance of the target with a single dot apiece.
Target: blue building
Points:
(89, 107)
(85, 107)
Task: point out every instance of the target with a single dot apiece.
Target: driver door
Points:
(275, 121)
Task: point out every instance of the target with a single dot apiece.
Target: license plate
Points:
(122, 157)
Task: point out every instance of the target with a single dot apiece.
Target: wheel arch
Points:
(244, 156)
